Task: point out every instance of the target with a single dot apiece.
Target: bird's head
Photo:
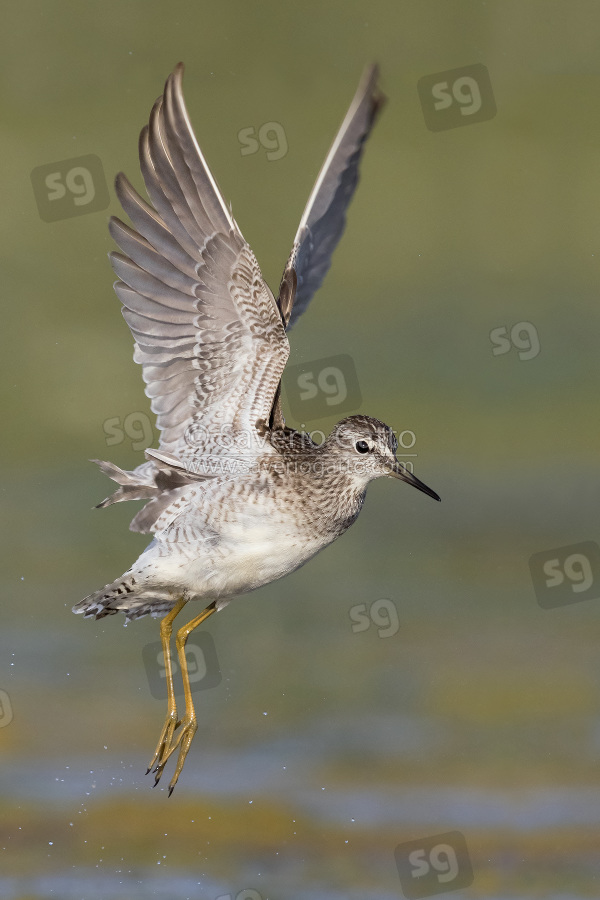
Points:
(366, 448)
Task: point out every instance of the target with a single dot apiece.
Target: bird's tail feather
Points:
(127, 595)
(136, 485)
(155, 480)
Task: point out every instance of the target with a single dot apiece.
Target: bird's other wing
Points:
(207, 330)
(324, 218)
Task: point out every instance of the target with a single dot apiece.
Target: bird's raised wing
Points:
(324, 218)
(208, 332)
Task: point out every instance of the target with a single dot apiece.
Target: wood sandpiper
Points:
(234, 498)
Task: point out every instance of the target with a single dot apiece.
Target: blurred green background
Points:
(323, 748)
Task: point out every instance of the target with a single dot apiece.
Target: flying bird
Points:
(234, 497)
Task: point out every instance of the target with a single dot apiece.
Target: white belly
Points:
(247, 557)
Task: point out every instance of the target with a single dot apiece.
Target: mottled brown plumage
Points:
(234, 498)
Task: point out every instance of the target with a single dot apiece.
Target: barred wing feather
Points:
(207, 330)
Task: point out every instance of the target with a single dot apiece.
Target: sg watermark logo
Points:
(271, 137)
(71, 187)
(566, 575)
(434, 865)
(382, 613)
(323, 387)
(457, 97)
(247, 894)
(6, 712)
(523, 336)
(136, 426)
(202, 664)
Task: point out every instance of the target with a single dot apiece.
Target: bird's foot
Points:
(164, 742)
(189, 727)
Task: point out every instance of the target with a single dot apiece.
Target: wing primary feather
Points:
(137, 303)
(206, 186)
(138, 276)
(207, 331)
(152, 227)
(159, 198)
(141, 252)
(324, 216)
(358, 121)
(164, 158)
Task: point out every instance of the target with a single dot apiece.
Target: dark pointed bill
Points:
(398, 471)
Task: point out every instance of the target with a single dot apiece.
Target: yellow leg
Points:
(189, 723)
(166, 735)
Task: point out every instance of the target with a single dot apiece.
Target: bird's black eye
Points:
(362, 446)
